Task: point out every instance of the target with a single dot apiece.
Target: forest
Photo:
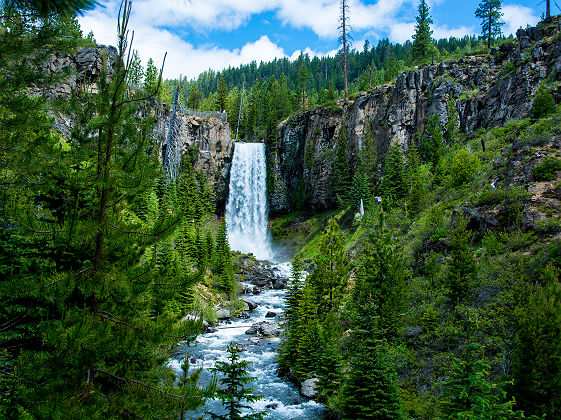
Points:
(421, 307)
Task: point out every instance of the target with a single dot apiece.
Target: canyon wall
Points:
(488, 90)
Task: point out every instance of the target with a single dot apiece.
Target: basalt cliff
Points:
(488, 90)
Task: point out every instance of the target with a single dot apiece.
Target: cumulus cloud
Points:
(158, 22)
(516, 16)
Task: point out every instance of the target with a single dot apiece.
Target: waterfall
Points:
(246, 209)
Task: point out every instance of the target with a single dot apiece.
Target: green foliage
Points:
(452, 129)
(462, 265)
(222, 95)
(359, 190)
(432, 143)
(537, 360)
(543, 105)
(235, 395)
(341, 172)
(394, 182)
(368, 158)
(489, 12)
(422, 39)
(222, 261)
(150, 76)
(464, 167)
(90, 290)
(547, 170)
(469, 394)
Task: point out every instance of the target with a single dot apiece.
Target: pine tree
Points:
(330, 370)
(93, 338)
(489, 12)
(537, 358)
(470, 394)
(432, 143)
(222, 267)
(341, 172)
(150, 76)
(303, 76)
(394, 183)
(222, 95)
(462, 266)
(344, 40)
(359, 190)
(453, 124)
(422, 39)
(235, 395)
(368, 158)
(329, 278)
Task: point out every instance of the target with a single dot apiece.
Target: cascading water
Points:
(246, 209)
(246, 217)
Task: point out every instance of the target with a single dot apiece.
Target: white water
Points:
(279, 396)
(246, 209)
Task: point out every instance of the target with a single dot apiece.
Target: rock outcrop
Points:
(488, 91)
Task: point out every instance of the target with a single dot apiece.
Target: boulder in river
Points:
(308, 388)
(243, 315)
(223, 314)
(270, 314)
(265, 328)
(250, 304)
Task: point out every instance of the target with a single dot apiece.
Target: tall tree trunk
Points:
(490, 30)
(345, 52)
(547, 9)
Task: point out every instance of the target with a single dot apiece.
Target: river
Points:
(281, 397)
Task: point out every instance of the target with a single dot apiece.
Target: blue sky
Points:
(202, 34)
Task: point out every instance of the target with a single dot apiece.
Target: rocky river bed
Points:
(259, 335)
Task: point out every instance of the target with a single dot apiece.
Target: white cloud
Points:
(516, 16)
(183, 58)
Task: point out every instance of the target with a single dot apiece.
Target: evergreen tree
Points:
(136, 72)
(344, 40)
(462, 266)
(537, 359)
(223, 268)
(93, 336)
(235, 395)
(359, 190)
(422, 39)
(470, 394)
(307, 335)
(222, 95)
(150, 76)
(432, 143)
(489, 12)
(453, 124)
(341, 172)
(368, 158)
(329, 278)
(330, 370)
(394, 183)
(303, 76)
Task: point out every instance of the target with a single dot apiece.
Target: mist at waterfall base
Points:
(246, 209)
(247, 219)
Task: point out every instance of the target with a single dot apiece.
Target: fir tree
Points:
(92, 341)
(359, 190)
(235, 395)
(489, 12)
(394, 183)
(341, 172)
(432, 143)
(537, 358)
(470, 394)
(453, 124)
(462, 266)
(422, 39)
(223, 268)
(222, 95)
(150, 76)
(368, 158)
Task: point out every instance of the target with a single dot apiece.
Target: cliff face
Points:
(213, 139)
(488, 90)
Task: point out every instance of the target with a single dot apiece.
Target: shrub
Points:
(543, 105)
(546, 171)
(463, 168)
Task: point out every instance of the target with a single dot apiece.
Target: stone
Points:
(254, 340)
(250, 304)
(223, 314)
(266, 329)
(243, 315)
(270, 314)
(308, 388)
